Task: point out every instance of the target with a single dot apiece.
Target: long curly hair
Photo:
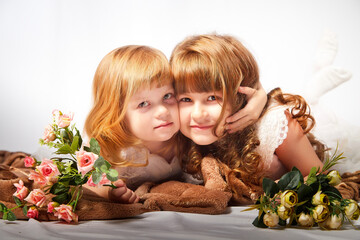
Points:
(120, 74)
(209, 63)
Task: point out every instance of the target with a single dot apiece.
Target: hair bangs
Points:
(195, 74)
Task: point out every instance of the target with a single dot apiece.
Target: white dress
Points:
(272, 130)
(157, 169)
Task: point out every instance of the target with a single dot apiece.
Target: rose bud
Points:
(320, 199)
(85, 161)
(333, 222)
(305, 220)
(334, 178)
(284, 212)
(21, 190)
(29, 161)
(49, 134)
(352, 210)
(271, 219)
(289, 198)
(52, 206)
(33, 212)
(320, 213)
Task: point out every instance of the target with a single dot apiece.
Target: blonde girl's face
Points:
(153, 114)
(199, 113)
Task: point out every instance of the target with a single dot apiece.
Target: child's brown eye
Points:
(185, 99)
(212, 98)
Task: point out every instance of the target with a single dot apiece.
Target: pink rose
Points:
(49, 134)
(51, 206)
(85, 161)
(32, 212)
(48, 169)
(65, 212)
(29, 162)
(21, 190)
(103, 181)
(62, 120)
(36, 197)
(38, 178)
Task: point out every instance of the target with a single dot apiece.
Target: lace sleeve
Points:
(272, 130)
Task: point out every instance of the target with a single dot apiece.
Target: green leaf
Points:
(78, 180)
(102, 164)
(62, 198)
(3, 208)
(290, 180)
(112, 175)
(94, 146)
(332, 192)
(304, 192)
(87, 149)
(17, 201)
(59, 188)
(269, 186)
(259, 222)
(11, 216)
(25, 210)
(75, 144)
(65, 149)
(79, 135)
(96, 177)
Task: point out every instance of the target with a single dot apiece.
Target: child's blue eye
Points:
(143, 104)
(168, 96)
(185, 99)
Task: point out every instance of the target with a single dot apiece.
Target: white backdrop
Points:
(49, 50)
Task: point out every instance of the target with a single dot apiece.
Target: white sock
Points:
(324, 80)
(326, 51)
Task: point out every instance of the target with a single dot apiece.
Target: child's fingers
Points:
(238, 125)
(236, 116)
(249, 92)
(119, 183)
(119, 192)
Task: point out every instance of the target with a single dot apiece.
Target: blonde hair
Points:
(209, 63)
(120, 74)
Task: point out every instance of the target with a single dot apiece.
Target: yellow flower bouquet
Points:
(314, 201)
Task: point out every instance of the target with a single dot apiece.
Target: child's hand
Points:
(122, 194)
(257, 99)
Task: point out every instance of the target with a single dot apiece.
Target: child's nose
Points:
(199, 112)
(162, 112)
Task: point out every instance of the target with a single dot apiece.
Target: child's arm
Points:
(257, 99)
(121, 194)
(296, 149)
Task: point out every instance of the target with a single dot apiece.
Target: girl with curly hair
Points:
(208, 71)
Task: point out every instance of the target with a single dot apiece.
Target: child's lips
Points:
(164, 125)
(200, 127)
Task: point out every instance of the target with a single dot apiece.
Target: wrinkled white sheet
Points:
(170, 225)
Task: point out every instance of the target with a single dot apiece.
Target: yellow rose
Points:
(305, 220)
(289, 198)
(271, 219)
(320, 199)
(352, 210)
(320, 213)
(334, 178)
(333, 222)
(284, 212)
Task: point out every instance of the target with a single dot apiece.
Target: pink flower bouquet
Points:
(63, 175)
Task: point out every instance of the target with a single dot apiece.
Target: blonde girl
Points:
(134, 118)
(208, 70)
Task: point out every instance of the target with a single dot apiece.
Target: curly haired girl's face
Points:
(152, 114)
(199, 113)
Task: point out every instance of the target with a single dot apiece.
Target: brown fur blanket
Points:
(168, 196)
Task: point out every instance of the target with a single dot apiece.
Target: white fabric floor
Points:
(170, 225)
